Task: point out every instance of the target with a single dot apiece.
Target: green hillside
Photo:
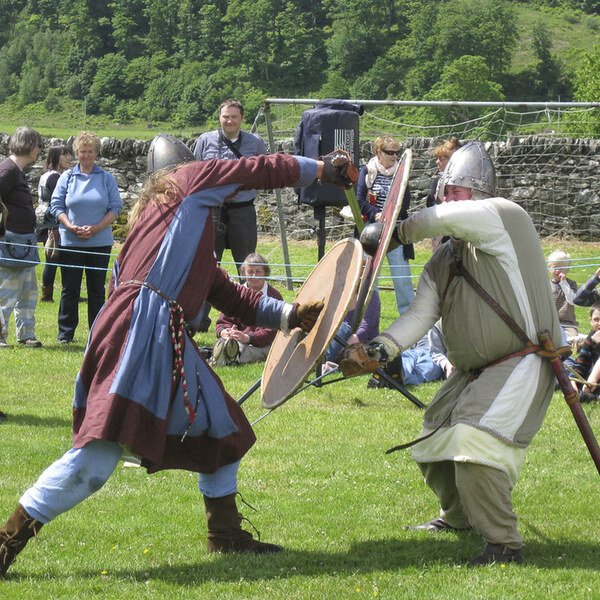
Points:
(572, 34)
(122, 65)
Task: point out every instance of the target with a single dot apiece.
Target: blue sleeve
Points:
(308, 171)
(586, 295)
(115, 204)
(269, 311)
(261, 146)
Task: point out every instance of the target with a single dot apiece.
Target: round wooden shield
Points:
(389, 216)
(294, 355)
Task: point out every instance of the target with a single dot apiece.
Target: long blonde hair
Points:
(160, 188)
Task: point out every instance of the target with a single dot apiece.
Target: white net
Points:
(546, 157)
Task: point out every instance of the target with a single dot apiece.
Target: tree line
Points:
(176, 60)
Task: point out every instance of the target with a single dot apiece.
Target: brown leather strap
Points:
(457, 269)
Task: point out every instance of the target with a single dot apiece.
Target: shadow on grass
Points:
(29, 420)
(363, 557)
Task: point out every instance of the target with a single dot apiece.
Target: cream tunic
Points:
(494, 416)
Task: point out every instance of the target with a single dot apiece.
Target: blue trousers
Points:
(401, 278)
(82, 471)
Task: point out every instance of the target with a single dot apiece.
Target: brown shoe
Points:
(496, 553)
(225, 533)
(15, 534)
(435, 526)
(47, 294)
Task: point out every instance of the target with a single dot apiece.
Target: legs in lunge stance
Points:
(477, 496)
(81, 472)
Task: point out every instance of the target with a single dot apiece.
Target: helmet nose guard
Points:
(470, 167)
(167, 151)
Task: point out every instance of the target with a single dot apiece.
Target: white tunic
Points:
(492, 417)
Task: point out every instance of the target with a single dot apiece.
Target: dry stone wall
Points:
(555, 180)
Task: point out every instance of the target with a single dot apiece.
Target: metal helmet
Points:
(167, 151)
(470, 167)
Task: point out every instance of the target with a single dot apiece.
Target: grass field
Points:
(320, 482)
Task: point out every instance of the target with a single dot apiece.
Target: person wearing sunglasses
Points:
(372, 189)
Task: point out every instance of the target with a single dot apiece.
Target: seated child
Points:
(238, 343)
(588, 363)
(563, 291)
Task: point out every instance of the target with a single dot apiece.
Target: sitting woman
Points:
(238, 343)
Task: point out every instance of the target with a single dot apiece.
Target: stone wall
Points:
(555, 180)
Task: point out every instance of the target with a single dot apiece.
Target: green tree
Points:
(298, 48)
(208, 45)
(549, 80)
(9, 12)
(360, 32)
(162, 25)
(466, 79)
(486, 28)
(129, 27)
(586, 83)
(109, 82)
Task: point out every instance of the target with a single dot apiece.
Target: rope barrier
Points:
(575, 263)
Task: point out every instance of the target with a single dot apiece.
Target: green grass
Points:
(322, 486)
(572, 34)
(72, 118)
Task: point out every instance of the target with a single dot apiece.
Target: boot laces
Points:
(243, 518)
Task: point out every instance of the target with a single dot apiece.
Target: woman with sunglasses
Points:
(371, 192)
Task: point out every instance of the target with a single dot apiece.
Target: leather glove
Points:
(305, 315)
(359, 359)
(338, 169)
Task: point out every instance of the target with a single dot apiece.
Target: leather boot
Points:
(496, 553)
(15, 534)
(47, 294)
(225, 533)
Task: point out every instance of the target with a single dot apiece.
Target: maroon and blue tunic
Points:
(125, 391)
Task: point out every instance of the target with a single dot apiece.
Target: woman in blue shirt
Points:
(85, 201)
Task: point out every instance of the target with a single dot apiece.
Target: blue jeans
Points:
(419, 367)
(401, 278)
(335, 348)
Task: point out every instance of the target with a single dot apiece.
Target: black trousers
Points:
(235, 228)
(95, 263)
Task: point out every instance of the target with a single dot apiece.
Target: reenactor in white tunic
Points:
(487, 412)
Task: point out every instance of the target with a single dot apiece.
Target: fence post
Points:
(286, 254)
